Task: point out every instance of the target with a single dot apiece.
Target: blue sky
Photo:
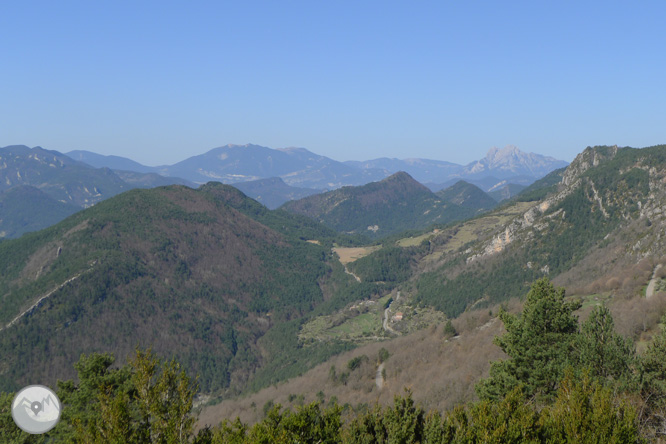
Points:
(161, 81)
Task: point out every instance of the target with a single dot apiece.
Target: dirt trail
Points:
(33, 306)
(358, 279)
(649, 291)
(16, 319)
(387, 327)
(379, 377)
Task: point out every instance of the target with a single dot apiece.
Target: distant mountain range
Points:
(296, 166)
(511, 162)
(300, 168)
(80, 179)
(508, 165)
(423, 170)
(57, 175)
(111, 162)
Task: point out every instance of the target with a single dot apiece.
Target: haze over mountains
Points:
(271, 176)
(299, 167)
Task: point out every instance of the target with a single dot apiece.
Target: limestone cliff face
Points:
(590, 157)
(630, 191)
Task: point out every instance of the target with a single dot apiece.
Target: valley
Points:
(278, 306)
(471, 250)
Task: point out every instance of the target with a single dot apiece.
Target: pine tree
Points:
(586, 412)
(539, 343)
(653, 383)
(145, 401)
(607, 355)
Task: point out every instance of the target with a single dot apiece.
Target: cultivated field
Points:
(350, 254)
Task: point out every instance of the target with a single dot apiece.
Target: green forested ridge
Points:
(395, 204)
(201, 275)
(291, 225)
(467, 196)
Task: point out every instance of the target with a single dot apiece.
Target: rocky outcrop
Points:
(589, 158)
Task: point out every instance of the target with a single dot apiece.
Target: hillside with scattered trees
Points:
(561, 382)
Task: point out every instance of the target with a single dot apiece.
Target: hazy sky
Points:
(162, 81)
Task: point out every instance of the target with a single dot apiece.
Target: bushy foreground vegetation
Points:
(561, 383)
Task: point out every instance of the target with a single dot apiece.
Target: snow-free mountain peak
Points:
(511, 161)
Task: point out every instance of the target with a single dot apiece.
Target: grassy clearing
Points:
(433, 256)
(476, 228)
(381, 302)
(350, 254)
(362, 322)
(414, 241)
(360, 326)
(359, 323)
(414, 318)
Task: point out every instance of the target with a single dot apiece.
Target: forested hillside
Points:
(390, 206)
(208, 276)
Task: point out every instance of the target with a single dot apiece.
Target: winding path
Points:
(379, 377)
(649, 291)
(387, 327)
(33, 306)
(358, 279)
(16, 319)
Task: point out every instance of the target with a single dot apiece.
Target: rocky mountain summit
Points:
(510, 161)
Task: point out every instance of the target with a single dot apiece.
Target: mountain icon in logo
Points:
(36, 409)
